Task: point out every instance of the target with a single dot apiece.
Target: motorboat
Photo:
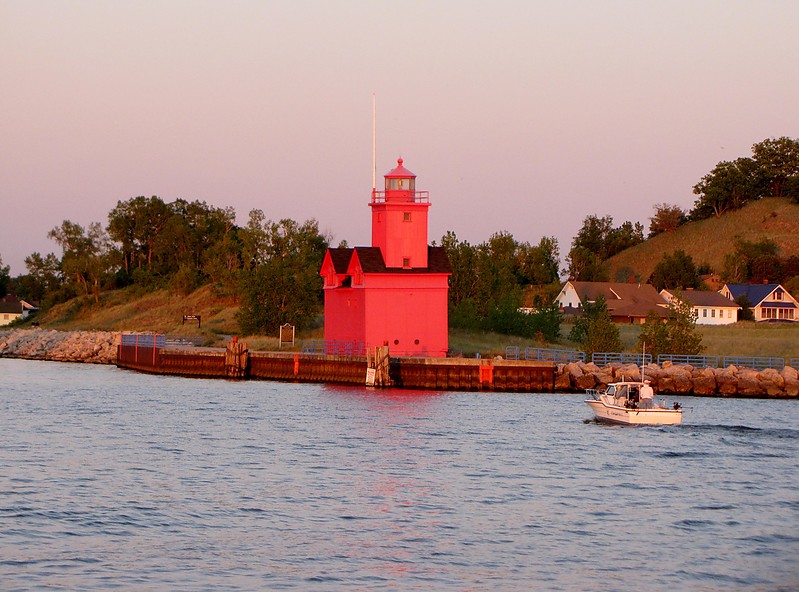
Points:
(620, 403)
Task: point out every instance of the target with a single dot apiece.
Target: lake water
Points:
(112, 479)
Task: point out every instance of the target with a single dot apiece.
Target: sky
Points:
(523, 116)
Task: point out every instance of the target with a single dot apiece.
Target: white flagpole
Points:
(374, 141)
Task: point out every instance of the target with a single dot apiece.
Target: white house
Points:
(12, 309)
(711, 308)
(768, 302)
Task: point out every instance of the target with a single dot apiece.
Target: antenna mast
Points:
(374, 141)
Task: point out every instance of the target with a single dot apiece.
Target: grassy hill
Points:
(708, 241)
(159, 311)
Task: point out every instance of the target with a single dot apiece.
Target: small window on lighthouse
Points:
(406, 216)
(406, 262)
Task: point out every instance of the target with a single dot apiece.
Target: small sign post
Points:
(197, 318)
(286, 335)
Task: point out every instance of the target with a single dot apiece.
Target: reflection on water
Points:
(115, 479)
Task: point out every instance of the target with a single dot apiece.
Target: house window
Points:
(704, 312)
(406, 217)
(713, 313)
(778, 295)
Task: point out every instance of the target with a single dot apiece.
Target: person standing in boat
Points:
(647, 396)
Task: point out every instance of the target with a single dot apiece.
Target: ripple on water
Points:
(143, 482)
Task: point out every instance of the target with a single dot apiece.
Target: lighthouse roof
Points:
(400, 171)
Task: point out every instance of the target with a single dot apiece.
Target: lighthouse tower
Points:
(399, 220)
(394, 292)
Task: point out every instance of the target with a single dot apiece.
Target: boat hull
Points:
(624, 416)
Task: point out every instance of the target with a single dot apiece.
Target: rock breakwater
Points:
(675, 379)
(96, 347)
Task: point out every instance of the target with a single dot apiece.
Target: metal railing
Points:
(686, 360)
(561, 356)
(334, 348)
(413, 196)
(161, 341)
(794, 363)
(604, 358)
(143, 340)
(754, 362)
(183, 340)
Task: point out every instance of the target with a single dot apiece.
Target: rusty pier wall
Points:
(464, 374)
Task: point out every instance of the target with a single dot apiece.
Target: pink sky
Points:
(524, 116)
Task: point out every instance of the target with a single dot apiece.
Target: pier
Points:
(147, 354)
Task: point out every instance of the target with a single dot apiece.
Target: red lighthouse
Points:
(395, 291)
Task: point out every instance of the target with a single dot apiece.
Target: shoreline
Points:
(101, 347)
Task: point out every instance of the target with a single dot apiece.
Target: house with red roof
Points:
(395, 291)
(626, 302)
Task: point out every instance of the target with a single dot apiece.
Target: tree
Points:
(284, 286)
(745, 314)
(654, 337)
(684, 337)
(778, 162)
(539, 265)
(752, 260)
(676, 335)
(595, 242)
(137, 225)
(585, 265)
(675, 271)
(87, 254)
(594, 329)
(729, 186)
(773, 170)
(5, 278)
(667, 218)
(42, 280)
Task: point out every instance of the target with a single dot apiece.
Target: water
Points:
(111, 479)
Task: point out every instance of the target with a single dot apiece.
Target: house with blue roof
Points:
(768, 302)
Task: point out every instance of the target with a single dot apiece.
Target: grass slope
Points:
(708, 241)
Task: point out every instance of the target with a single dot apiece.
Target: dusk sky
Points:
(523, 116)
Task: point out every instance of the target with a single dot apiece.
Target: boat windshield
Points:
(619, 391)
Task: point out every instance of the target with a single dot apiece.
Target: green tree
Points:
(667, 218)
(585, 265)
(595, 330)
(137, 225)
(677, 270)
(284, 285)
(676, 335)
(5, 278)
(42, 281)
(778, 162)
(654, 338)
(88, 255)
(539, 265)
(685, 339)
(729, 186)
(595, 242)
(752, 260)
(746, 313)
